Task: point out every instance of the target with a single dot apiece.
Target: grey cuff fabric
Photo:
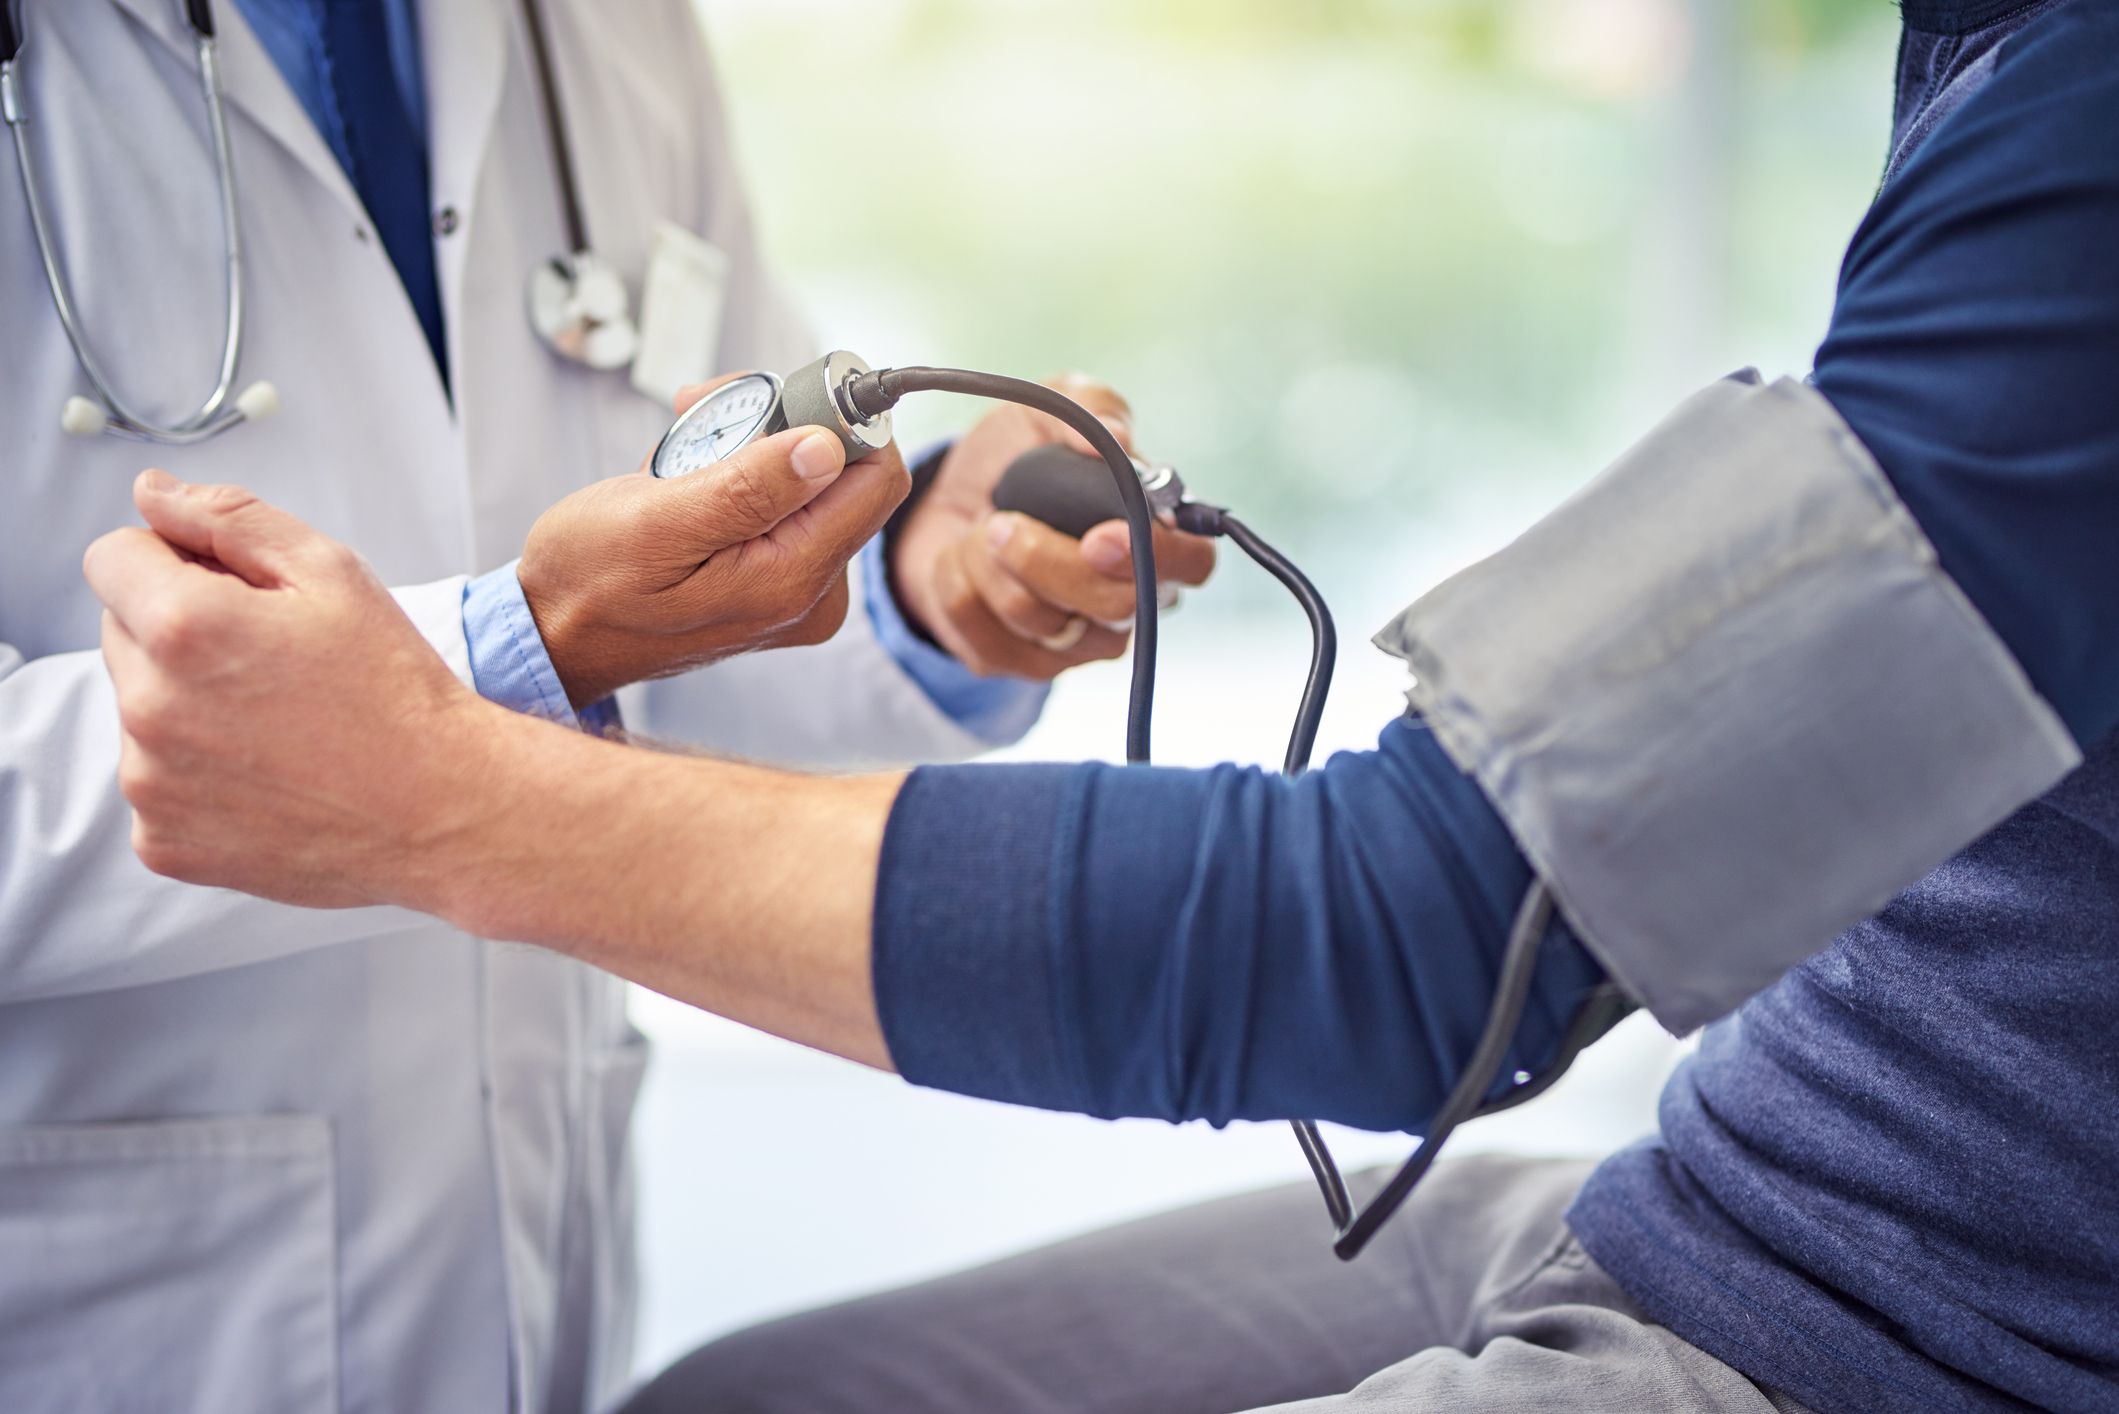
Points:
(1726, 699)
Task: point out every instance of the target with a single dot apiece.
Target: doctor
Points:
(257, 1158)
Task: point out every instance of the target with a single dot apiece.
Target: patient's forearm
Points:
(1180, 944)
(1216, 945)
(740, 890)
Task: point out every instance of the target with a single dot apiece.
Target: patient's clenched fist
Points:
(636, 578)
(286, 729)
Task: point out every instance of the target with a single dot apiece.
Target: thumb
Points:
(227, 524)
(745, 495)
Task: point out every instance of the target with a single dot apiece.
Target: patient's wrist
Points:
(475, 817)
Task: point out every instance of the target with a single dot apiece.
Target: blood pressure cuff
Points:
(1726, 700)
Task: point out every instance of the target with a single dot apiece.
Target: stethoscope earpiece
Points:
(83, 417)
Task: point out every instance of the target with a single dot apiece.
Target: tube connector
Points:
(1199, 518)
(866, 396)
(819, 395)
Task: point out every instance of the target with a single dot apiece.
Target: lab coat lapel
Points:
(466, 42)
(252, 86)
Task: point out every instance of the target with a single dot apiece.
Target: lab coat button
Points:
(446, 221)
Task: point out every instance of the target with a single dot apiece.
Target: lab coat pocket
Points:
(180, 1264)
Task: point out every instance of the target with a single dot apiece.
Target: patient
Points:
(1811, 659)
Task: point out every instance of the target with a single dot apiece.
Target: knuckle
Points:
(149, 715)
(959, 602)
(1188, 558)
(1019, 608)
(158, 851)
(138, 779)
(748, 497)
(226, 500)
(788, 596)
(1111, 603)
(823, 575)
(1022, 552)
(821, 625)
(97, 548)
(339, 559)
(171, 630)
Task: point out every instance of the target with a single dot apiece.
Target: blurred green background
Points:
(1391, 278)
(1340, 253)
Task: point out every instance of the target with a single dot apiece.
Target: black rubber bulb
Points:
(1066, 490)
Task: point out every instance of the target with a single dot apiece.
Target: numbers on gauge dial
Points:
(731, 416)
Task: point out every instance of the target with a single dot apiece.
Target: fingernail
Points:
(1107, 553)
(817, 456)
(158, 481)
(1000, 530)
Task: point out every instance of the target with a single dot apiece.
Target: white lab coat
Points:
(255, 1157)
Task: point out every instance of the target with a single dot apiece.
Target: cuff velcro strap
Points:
(1727, 700)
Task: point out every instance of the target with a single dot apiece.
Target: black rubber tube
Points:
(873, 394)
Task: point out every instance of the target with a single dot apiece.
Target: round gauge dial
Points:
(733, 415)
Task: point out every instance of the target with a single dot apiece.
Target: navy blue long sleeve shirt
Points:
(1221, 944)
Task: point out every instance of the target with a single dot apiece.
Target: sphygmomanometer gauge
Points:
(732, 416)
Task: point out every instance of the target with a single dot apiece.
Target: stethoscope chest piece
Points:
(579, 308)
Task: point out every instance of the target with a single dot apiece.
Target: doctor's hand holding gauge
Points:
(425, 272)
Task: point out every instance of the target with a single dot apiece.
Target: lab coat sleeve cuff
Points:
(996, 710)
(508, 661)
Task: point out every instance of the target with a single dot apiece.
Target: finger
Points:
(971, 631)
(754, 489)
(824, 619)
(1050, 563)
(790, 566)
(260, 542)
(1014, 603)
(1099, 398)
(691, 393)
(139, 575)
(1179, 558)
(127, 661)
(832, 529)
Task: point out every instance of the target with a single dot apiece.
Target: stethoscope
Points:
(578, 303)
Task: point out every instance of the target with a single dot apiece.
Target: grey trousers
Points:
(1476, 1297)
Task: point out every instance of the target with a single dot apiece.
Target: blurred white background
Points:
(1391, 277)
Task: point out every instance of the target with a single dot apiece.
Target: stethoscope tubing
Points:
(212, 416)
(555, 124)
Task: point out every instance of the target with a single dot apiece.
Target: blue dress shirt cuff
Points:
(996, 710)
(509, 664)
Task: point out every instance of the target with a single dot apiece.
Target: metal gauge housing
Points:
(756, 405)
(734, 415)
